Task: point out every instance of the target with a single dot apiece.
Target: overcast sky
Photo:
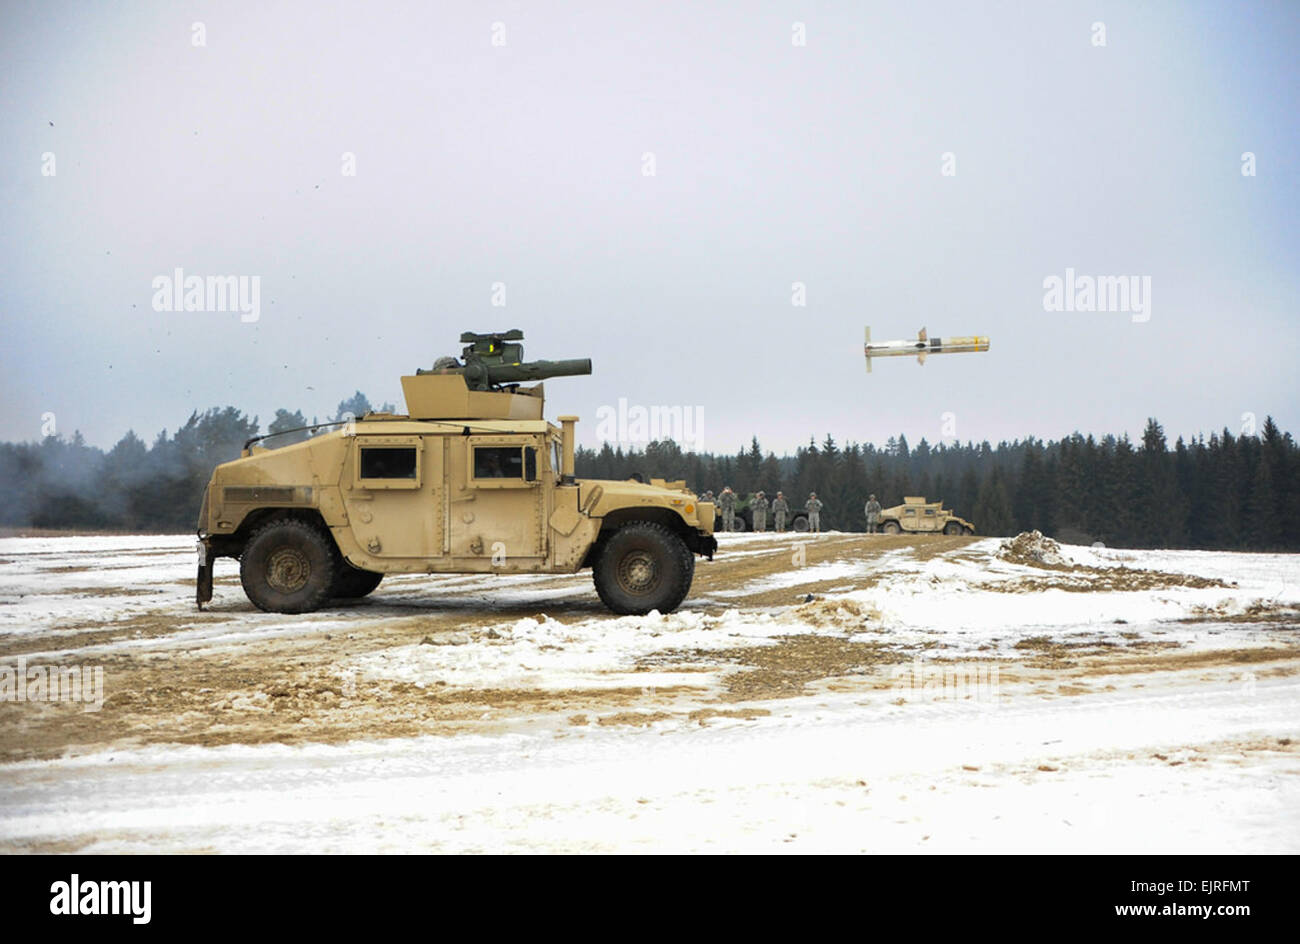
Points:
(774, 163)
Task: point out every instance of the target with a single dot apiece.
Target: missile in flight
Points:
(923, 346)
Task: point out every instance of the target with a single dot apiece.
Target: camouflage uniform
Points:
(758, 505)
(872, 511)
(780, 508)
(814, 509)
(727, 502)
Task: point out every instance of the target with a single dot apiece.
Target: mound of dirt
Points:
(1030, 547)
(836, 612)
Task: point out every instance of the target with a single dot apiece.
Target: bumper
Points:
(203, 581)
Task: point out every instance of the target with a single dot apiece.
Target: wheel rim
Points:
(288, 570)
(638, 572)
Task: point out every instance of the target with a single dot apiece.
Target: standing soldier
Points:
(727, 502)
(780, 507)
(758, 505)
(814, 509)
(873, 514)
(708, 497)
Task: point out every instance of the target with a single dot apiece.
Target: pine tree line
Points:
(1231, 492)
(65, 484)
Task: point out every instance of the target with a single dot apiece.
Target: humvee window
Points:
(909, 511)
(388, 462)
(929, 512)
(500, 462)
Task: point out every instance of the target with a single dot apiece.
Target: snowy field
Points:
(827, 692)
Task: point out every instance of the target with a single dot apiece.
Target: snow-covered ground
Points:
(815, 692)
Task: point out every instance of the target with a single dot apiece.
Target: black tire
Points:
(800, 524)
(288, 566)
(891, 527)
(352, 583)
(740, 524)
(642, 567)
(953, 527)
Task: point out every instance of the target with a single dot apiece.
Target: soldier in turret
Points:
(814, 509)
(872, 511)
(758, 506)
(727, 504)
(780, 508)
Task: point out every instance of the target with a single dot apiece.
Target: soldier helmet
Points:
(871, 497)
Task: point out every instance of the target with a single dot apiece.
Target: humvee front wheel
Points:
(352, 583)
(953, 527)
(644, 566)
(288, 566)
(891, 527)
(799, 524)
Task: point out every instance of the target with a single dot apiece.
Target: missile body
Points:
(922, 346)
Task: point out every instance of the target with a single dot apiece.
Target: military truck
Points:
(471, 479)
(917, 516)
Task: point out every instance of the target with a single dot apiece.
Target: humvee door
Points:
(498, 500)
(393, 488)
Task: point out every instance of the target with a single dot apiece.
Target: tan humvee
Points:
(916, 515)
(471, 479)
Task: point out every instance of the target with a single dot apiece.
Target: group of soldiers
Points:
(759, 507)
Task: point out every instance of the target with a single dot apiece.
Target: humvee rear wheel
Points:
(288, 566)
(644, 566)
(740, 524)
(953, 527)
(799, 524)
(352, 583)
(891, 527)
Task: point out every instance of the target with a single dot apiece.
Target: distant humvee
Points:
(917, 516)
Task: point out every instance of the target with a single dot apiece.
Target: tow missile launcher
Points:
(496, 360)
